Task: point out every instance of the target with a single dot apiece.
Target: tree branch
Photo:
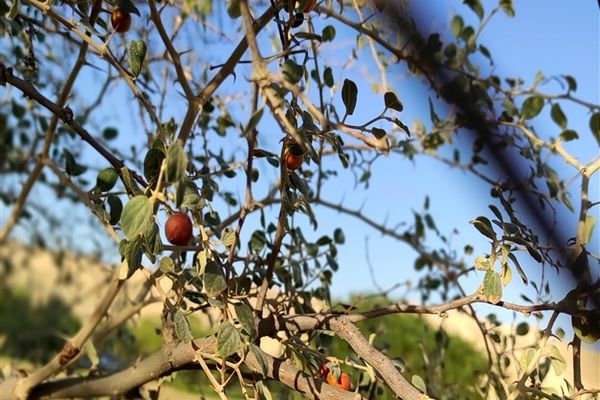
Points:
(182, 356)
(64, 114)
(346, 330)
(22, 387)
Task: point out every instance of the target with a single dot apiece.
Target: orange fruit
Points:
(121, 20)
(178, 229)
(343, 381)
(293, 157)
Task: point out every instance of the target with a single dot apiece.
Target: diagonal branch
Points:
(348, 332)
(72, 348)
(65, 115)
(227, 69)
(182, 356)
(155, 17)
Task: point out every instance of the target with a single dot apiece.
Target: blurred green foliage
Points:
(33, 332)
(452, 365)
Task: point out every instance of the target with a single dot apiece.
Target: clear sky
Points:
(556, 37)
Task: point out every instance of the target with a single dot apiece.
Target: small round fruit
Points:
(343, 381)
(310, 5)
(293, 157)
(121, 20)
(178, 229)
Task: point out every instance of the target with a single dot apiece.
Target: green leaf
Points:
(182, 326)
(558, 362)
(137, 218)
(195, 297)
(228, 340)
(534, 253)
(309, 36)
(191, 198)
(595, 126)
(523, 329)
(492, 286)
(257, 242)
(588, 228)
(110, 133)
(228, 237)
(507, 7)
(136, 55)
(378, 133)
(338, 236)
(401, 125)
(246, 317)
(328, 33)
(166, 265)
(116, 208)
(291, 71)
(486, 53)
(571, 82)
(152, 164)
(176, 163)
(106, 179)
(519, 269)
(510, 107)
(418, 382)
(260, 357)
(128, 181)
(482, 263)
(525, 359)
(476, 6)
(132, 252)
(532, 106)
(18, 110)
(457, 25)
(254, 120)
(128, 6)
(568, 135)
(71, 166)
(391, 101)
(214, 280)
(328, 77)
(506, 274)
(558, 115)
(484, 226)
(349, 95)
(233, 10)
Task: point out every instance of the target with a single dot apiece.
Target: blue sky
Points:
(557, 37)
(544, 35)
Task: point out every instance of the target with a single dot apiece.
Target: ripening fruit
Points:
(178, 229)
(324, 371)
(343, 381)
(310, 4)
(121, 20)
(293, 157)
